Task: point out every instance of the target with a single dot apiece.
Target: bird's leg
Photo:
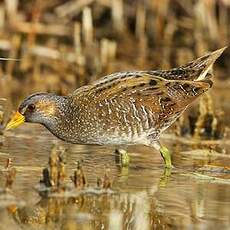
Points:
(164, 153)
(123, 156)
(167, 160)
(166, 156)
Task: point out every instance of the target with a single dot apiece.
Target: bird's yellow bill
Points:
(17, 120)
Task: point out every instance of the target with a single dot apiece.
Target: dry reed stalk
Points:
(104, 52)
(45, 52)
(205, 19)
(87, 27)
(2, 19)
(224, 29)
(77, 39)
(5, 45)
(211, 20)
(118, 15)
(11, 7)
(140, 20)
(143, 51)
(140, 34)
(112, 50)
(161, 9)
(107, 52)
(72, 8)
(36, 16)
(40, 28)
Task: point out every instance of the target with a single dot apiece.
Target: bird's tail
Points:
(200, 67)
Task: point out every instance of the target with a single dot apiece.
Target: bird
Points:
(123, 108)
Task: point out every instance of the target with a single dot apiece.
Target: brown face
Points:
(35, 108)
(45, 107)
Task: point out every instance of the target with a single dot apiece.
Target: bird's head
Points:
(40, 108)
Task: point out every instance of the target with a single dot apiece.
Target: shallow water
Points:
(141, 196)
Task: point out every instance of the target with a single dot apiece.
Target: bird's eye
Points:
(31, 107)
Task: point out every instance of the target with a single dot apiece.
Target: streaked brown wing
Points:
(144, 100)
(148, 89)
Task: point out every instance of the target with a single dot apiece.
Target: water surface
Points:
(141, 196)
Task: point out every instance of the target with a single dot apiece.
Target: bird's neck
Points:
(63, 123)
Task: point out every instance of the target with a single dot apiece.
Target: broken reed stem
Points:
(79, 179)
(54, 175)
(10, 174)
(61, 173)
(105, 182)
(10, 178)
(8, 163)
(53, 166)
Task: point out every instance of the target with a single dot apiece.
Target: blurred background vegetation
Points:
(62, 45)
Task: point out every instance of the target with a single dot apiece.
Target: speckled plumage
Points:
(132, 107)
